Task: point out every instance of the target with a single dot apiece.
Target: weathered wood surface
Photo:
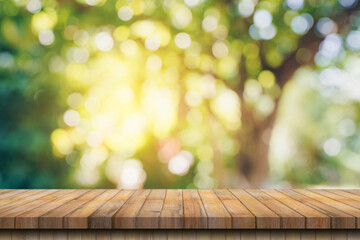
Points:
(180, 209)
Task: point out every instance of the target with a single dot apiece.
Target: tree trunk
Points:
(254, 138)
(255, 134)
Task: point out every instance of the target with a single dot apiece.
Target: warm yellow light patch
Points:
(43, 21)
(62, 142)
(266, 79)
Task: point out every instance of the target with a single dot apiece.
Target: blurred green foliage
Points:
(179, 94)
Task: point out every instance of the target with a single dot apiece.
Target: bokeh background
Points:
(179, 93)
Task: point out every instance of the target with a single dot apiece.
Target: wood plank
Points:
(78, 219)
(242, 218)
(289, 218)
(55, 218)
(19, 199)
(102, 218)
(7, 218)
(265, 218)
(346, 193)
(314, 218)
(172, 214)
(4, 191)
(181, 209)
(125, 217)
(345, 197)
(331, 202)
(149, 215)
(218, 216)
(339, 219)
(30, 219)
(194, 212)
(354, 191)
(11, 193)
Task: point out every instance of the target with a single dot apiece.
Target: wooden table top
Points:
(179, 209)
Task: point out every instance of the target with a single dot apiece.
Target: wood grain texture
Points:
(314, 218)
(7, 218)
(149, 215)
(78, 219)
(218, 216)
(354, 191)
(30, 219)
(289, 218)
(11, 193)
(55, 218)
(194, 212)
(336, 204)
(265, 218)
(180, 209)
(102, 218)
(339, 219)
(172, 214)
(125, 217)
(20, 199)
(241, 216)
(341, 196)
